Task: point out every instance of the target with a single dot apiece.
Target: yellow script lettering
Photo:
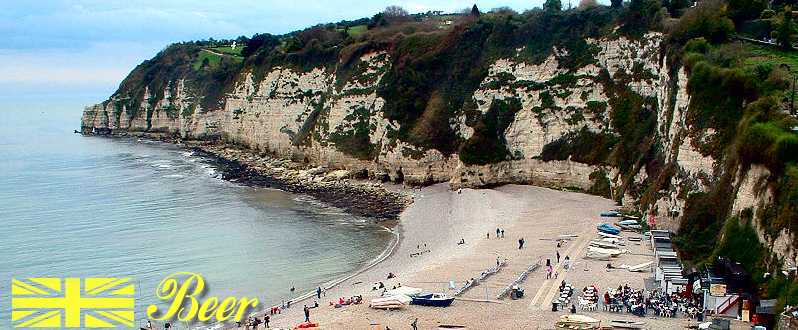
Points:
(184, 304)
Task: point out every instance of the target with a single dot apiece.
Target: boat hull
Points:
(434, 302)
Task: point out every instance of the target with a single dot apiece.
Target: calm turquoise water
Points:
(93, 207)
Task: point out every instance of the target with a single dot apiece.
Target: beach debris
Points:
(521, 278)
(576, 321)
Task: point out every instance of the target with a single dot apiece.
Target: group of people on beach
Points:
(566, 263)
(499, 233)
(253, 322)
(420, 250)
(637, 302)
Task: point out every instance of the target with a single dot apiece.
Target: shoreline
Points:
(343, 189)
(336, 188)
(361, 198)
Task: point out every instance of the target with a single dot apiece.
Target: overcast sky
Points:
(93, 44)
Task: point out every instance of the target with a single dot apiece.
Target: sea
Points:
(80, 206)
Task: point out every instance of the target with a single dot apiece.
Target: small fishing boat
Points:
(603, 245)
(611, 252)
(608, 228)
(631, 227)
(433, 299)
(575, 321)
(388, 303)
(610, 236)
(626, 222)
(611, 214)
(624, 324)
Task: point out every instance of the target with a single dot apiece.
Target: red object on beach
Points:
(307, 325)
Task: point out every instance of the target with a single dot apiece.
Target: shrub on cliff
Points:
(708, 19)
(584, 146)
(768, 143)
(487, 144)
(642, 16)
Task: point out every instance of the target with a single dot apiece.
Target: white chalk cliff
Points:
(300, 115)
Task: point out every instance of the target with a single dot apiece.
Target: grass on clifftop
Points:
(769, 55)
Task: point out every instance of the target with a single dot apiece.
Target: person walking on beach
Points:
(266, 320)
(488, 235)
(521, 243)
(498, 231)
(318, 289)
(502, 233)
(548, 272)
(307, 313)
(558, 257)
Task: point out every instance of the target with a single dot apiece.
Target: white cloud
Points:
(101, 63)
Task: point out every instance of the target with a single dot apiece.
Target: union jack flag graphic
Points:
(72, 302)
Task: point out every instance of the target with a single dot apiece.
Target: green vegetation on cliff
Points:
(740, 93)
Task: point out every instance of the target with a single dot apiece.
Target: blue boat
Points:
(432, 299)
(609, 229)
(611, 214)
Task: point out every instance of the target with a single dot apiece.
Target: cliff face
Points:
(624, 103)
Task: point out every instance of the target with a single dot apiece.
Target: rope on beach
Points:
(483, 276)
(521, 278)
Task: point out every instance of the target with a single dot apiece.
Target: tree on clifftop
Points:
(395, 11)
(785, 30)
(475, 11)
(552, 5)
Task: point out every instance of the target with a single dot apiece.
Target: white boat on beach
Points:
(641, 267)
(603, 245)
(576, 321)
(611, 252)
(602, 234)
(392, 302)
(624, 324)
